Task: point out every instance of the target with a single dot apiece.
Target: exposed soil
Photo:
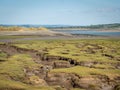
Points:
(65, 80)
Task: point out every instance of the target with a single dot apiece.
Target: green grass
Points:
(15, 85)
(80, 50)
(86, 71)
(104, 66)
(3, 56)
(13, 68)
(77, 89)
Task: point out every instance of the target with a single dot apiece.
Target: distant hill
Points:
(20, 28)
(100, 26)
(105, 26)
(39, 27)
(35, 26)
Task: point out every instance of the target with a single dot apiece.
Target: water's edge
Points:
(89, 32)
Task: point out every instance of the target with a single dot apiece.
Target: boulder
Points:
(61, 64)
(35, 80)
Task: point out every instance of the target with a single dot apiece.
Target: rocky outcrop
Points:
(61, 64)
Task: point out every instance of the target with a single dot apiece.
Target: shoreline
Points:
(13, 36)
(74, 37)
(100, 30)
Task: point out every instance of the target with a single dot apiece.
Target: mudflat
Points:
(11, 36)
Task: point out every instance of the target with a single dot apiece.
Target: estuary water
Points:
(90, 32)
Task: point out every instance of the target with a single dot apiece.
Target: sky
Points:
(59, 12)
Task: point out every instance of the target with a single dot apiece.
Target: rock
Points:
(61, 64)
(61, 79)
(87, 82)
(87, 64)
(35, 80)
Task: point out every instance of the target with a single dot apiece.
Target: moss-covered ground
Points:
(80, 50)
(106, 52)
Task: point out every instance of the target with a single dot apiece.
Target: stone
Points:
(35, 80)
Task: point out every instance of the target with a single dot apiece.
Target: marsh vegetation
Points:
(60, 64)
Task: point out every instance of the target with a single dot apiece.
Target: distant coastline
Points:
(101, 30)
(115, 27)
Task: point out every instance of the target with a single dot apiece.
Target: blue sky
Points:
(67, 12)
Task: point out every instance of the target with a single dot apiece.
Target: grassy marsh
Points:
(105, 53)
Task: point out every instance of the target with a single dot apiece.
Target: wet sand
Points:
(47, 35)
